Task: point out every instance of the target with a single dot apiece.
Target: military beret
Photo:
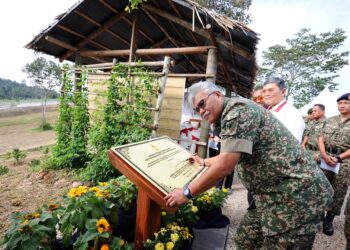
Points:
(344, 97)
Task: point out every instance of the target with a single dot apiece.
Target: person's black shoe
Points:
(328, 224)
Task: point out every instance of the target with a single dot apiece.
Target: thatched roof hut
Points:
(96, 31)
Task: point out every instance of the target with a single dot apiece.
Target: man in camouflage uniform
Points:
(288, 187)
(313, 129)
(334, 145)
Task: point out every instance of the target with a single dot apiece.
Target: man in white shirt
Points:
(274, 90)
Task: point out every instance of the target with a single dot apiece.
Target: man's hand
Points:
(330, 160)
(175, 198)
(195, 159)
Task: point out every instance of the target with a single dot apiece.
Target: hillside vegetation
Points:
(12, 90)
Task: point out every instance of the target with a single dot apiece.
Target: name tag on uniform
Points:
(334, 169)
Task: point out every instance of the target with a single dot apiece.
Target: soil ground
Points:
(22, 131)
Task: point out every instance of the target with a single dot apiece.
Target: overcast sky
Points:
(274, 20)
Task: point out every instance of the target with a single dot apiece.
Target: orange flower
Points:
(105, 247)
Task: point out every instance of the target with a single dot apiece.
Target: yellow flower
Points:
(224, 190)
(159, 246)
(102, 193)
(72, 192)
(121, 242)
(53, 207)
(169, 245)
(31, 216)
(194, 209)
(25, 222)
(103, 184)
(105, 247)
(174, 237)
(163, 213)
(94, 189)
(81, 190)
(102, 225)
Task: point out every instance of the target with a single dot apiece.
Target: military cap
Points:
(309, 111)
(344, 97)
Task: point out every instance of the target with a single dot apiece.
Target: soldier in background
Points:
(313, 129)
(289, 189)
(334, 145)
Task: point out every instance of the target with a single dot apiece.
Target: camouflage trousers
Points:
(249, 235)
(340, 188)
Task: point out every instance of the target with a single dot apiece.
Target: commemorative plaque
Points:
(161, 161)
(156, 167)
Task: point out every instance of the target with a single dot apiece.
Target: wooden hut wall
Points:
(170, 116)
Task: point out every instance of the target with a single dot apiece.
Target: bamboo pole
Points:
(161, 95)
(204, 134)
(144, 52)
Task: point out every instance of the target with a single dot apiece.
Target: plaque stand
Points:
(149, 202)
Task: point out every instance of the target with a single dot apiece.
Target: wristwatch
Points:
(187, 192)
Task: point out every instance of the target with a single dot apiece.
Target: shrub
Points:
(17, 155)
(3, 169)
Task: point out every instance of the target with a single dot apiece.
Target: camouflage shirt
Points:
(313, 130)
(336, 133)
(288, 187)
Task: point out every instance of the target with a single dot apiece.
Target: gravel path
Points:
(237, 204)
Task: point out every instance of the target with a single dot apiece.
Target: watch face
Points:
(186, 192)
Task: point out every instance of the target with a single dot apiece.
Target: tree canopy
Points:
(235, 9)
(308, 63)
(13, 90)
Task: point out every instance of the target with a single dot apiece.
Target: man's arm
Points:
(219, 167)
(330, 160)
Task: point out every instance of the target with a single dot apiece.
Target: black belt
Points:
(312, 147)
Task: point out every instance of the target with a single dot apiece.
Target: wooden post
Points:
(211, 69)
(160, 98)
(147, 218)
(133, 41)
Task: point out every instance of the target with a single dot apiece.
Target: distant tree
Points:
(235, 9)
(46, 75)
(308, 63)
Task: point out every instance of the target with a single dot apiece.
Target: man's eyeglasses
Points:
(201, 104)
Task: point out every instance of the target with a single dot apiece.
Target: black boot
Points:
(328, 224)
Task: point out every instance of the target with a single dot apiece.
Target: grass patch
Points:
(3, 170)
(31, 118)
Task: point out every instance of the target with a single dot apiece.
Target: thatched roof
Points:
(103, 25)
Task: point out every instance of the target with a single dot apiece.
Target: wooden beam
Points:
(155, 21)
(81, 36)
(107, 5)
(60, 43)
(144, 52)
(67, 46)
(94, 34)
(236, 48)
(180, 16)
(132, 64)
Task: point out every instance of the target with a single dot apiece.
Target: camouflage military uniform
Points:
(288, 187)
(336, 136)
(347, 224)
(312, 131)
